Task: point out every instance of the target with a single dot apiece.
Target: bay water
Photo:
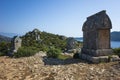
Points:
(114, 44)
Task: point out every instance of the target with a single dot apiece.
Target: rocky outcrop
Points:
(37, 33)
(72, 45)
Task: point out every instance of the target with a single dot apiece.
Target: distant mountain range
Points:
(115, 36)
(4, 38)
(9, 34)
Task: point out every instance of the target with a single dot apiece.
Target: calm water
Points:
(114, 44)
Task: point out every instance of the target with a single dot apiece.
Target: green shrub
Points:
(25, 52)
(117, 51)
(64, 57)
(53, 53)
(4, 48)
(2, 54)
(43, 48)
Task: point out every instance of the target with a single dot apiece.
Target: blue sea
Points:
(114, 44)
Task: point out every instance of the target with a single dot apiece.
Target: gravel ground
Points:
(39, 67)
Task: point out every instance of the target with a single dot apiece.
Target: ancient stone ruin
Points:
(71, 43)
(37, 36)
(16, 43)
(96, 38)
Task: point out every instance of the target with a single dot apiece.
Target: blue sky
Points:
(64, 17)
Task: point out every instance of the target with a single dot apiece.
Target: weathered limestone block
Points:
(71, 43)
(16, 43)
(96, 38)
(99, 52)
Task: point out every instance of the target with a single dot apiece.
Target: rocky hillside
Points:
(39, 67)
(44, 40)
(4, 38)
(115, 36)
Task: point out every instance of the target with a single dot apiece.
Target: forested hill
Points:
(4, 38)
(115, 36)
(43, 40)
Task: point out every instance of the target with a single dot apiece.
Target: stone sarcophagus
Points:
(96, 38)
(16, 43)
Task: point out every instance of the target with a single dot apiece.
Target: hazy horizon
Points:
(63, 17)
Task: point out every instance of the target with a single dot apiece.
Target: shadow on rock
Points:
(55, 61)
